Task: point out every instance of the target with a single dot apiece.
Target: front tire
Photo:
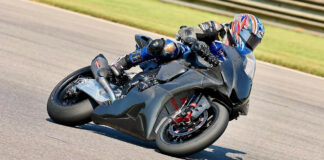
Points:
(74, 113)
(197, 143)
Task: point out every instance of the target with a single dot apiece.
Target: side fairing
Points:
(238, 83)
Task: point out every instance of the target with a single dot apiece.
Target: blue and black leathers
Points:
(152, 55)
(160, 51)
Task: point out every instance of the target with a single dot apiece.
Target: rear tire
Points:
(198, 143)
(72, 114)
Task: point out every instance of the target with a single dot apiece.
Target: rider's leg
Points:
(152, 51)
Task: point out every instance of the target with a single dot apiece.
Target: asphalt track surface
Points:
(40, 45)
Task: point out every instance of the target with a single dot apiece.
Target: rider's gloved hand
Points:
(211, 31)
(210, 27)
(202, 49)
(187, 35)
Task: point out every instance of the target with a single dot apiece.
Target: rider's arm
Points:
(202, 49)
(211, 31)
(187, 36)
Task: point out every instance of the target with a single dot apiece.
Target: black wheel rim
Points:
(64, 98)
(188, 133)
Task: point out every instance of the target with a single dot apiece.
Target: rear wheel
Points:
(183, 139)
(68, 106)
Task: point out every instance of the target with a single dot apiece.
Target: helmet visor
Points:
(250, 39)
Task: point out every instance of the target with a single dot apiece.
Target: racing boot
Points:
(122, 64)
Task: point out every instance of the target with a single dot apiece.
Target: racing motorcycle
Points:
(184, 105)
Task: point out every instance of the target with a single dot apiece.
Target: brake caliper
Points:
(185, 116)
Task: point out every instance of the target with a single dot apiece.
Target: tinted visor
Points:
(250, 39)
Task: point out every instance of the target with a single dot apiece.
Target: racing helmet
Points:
(247, 32)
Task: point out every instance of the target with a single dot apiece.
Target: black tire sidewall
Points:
(76, 114)
(209, 136)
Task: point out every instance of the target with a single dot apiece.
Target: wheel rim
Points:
(68, 95)
(176, 134)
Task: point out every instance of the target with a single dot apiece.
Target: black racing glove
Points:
(211, 31)
(202, 49)
(187, 35)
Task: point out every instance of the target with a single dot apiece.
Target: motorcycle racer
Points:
(244, 33)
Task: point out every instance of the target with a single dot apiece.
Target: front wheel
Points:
(180, 140)
(66, 105)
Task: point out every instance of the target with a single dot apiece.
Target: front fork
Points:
(191, 109)
(185, 112)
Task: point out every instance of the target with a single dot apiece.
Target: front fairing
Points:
(249, 65)
(237, 71)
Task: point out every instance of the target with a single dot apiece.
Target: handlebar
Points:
(205, 54)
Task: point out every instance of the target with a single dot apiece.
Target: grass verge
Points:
(292, 49)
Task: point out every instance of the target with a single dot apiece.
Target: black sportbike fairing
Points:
(140, 112)
(237, 83)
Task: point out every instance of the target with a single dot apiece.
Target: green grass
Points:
(295, 50)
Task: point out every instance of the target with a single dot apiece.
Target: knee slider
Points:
(156, 47)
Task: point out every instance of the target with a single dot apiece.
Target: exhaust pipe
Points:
(100, 70)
